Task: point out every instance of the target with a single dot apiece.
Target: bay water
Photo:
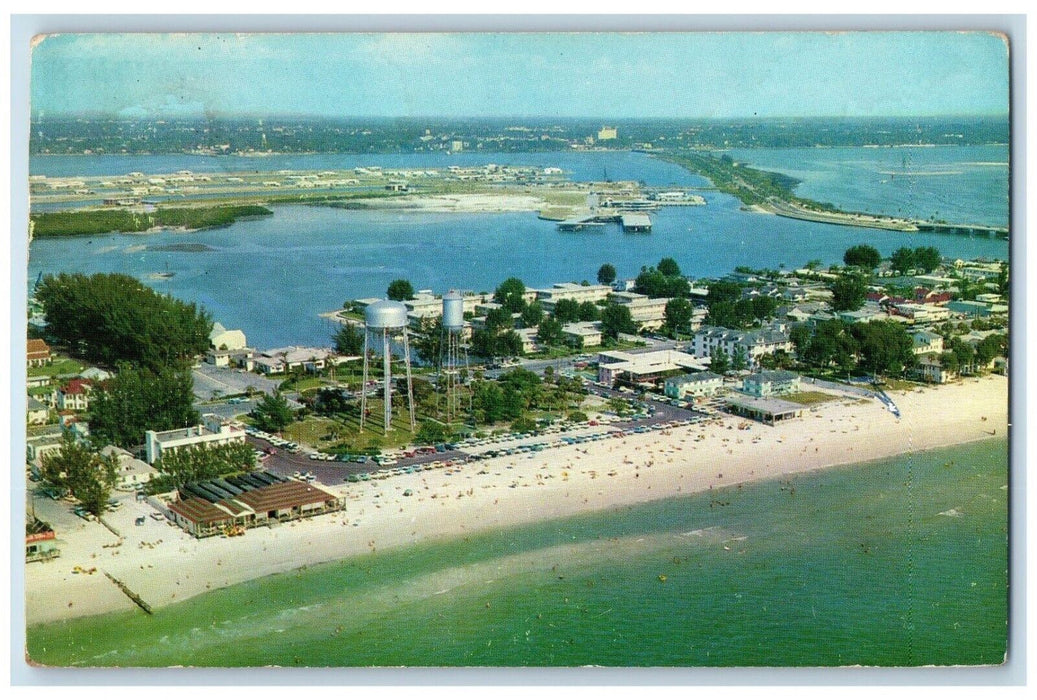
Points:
(272, 277)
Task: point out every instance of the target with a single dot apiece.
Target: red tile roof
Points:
(76, 386)
(36, 349)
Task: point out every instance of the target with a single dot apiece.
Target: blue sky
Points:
(684, 75)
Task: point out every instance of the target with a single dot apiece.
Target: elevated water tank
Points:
(453, 311)
(386, 314)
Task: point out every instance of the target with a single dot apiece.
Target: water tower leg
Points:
(387, 369)
(410, 384)
(363, 387)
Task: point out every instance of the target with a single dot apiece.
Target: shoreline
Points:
(164, 565)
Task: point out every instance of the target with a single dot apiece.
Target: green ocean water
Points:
(900, 562)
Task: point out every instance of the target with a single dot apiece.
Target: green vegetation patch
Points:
(808, 398)
(98, 221)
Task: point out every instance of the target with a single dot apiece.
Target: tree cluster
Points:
(109, 318)
(87, 475)
(518, 391)
(879, 347)
(400, 290)
(664, 280)
(926, 259)
(272, 414)
(616, 319)
(139, 399)
(202, 462)
(863, 256)
(348, 340)
(729, 309)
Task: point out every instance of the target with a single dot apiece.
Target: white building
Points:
(645, 311)
(927, 343)
(36, 413)
(585, 334)
(754, 343)
(645, 366)
(280, 360)
(568, 290)
(771, 383)
(696, 384)
(222, 339)
(132, 471)
(213, 432)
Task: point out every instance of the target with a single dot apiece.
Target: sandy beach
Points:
(164, 565)
(459, 203)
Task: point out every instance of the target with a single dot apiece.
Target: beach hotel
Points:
(249, 500)
(645, 367)
(213, 432)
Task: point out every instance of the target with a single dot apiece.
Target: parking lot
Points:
(212, 382)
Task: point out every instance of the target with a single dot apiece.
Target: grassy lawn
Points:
(808, 398)
(59, 365)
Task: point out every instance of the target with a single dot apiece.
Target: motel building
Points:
(771, 383)
(695, 384)
(211, 433)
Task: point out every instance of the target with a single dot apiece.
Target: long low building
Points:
(769, 411)
(646, 366)
(249, 500)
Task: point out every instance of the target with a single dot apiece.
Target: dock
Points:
(635, 222)
(629, 221)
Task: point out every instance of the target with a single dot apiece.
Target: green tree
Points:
(616, 319)
(863, 256)
(927, 258)
(606, 274)
(739, 360)
(532, 315)
(431, 433)
(511, 295)
(719, 362)
(994, 345)
(137, 399)
(902, 260)
(499, 319)
(885, 347)
(88, 475)
(272, 413)
(678, 315)
(849, 292)
(400, 290)
(349, 340)
(669, 267)
(203, 462)
(567, 311)
(589, 311)
(111, 318)
(576, 417)
(428, 341)
(549, 332)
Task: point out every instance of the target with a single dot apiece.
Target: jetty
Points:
(141, 603)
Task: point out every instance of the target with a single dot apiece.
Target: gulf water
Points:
(899, 562)
(271, 277)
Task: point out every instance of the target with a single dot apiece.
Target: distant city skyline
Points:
(725, 75)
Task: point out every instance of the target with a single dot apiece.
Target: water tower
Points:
(454, 352)
(386, 320)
